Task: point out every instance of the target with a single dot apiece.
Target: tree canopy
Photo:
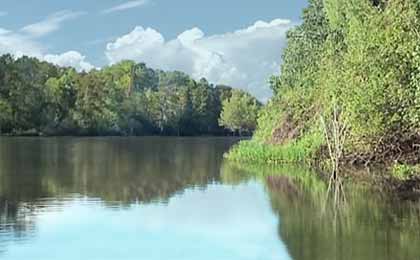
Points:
(240, 112)
(360, 58)
(122, 99)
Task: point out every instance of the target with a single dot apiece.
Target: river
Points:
(175, 198)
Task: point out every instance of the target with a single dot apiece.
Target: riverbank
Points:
(400, 179)
(35, 133)
(347, 95)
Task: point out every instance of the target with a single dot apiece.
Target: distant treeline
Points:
(37, 97)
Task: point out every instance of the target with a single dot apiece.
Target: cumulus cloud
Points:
(70, 59)
(125, 6)
(244, 58)
(50, 24)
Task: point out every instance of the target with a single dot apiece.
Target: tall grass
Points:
(404, 172)
(302, 150)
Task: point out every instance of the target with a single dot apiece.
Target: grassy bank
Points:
(303, 150)
(400, 180)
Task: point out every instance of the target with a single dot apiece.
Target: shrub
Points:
(404, 171)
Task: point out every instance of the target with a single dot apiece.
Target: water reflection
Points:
(149, 198)
(118, 170)
(370, 226)
(171, 198)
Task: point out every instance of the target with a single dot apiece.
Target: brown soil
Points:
(288, 130)
(395, 149)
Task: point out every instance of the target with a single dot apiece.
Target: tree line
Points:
(127, 98)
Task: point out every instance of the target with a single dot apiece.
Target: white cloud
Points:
(23, 43)
(125, 6)
(50, 24)
(18, 45)
(4, 31)
(244, 58)
(2, 13)
(70, 59)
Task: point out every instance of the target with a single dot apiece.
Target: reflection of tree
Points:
(152, 169)
(370, 227)
(116, 170)
(119, 171)
(19, 185)
(14, 222)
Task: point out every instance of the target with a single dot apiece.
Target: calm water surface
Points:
(175, 198)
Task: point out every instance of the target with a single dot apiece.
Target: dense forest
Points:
(350, 81)
(39, 98)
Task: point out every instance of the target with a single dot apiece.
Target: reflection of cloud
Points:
(221, 222)
(244, 58)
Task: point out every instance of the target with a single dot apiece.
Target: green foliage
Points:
(377, 70)
(122, 99)
(360, 56)
(268, 119)
(240, 112)
(305, 44)
(22, 93)
(302, 150)
(95, 110)
(6, 116)
(404, 171)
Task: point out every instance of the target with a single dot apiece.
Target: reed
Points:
(303, 150)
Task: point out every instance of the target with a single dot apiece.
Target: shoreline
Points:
(400, 179)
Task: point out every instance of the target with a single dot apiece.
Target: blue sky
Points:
(103, 32)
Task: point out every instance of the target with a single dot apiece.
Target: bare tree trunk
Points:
(335, 135)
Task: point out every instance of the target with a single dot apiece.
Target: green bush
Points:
(404, 171)
(360, 57)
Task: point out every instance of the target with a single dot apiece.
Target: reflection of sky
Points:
(221, 222)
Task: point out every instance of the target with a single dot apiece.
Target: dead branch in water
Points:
(335, 135)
